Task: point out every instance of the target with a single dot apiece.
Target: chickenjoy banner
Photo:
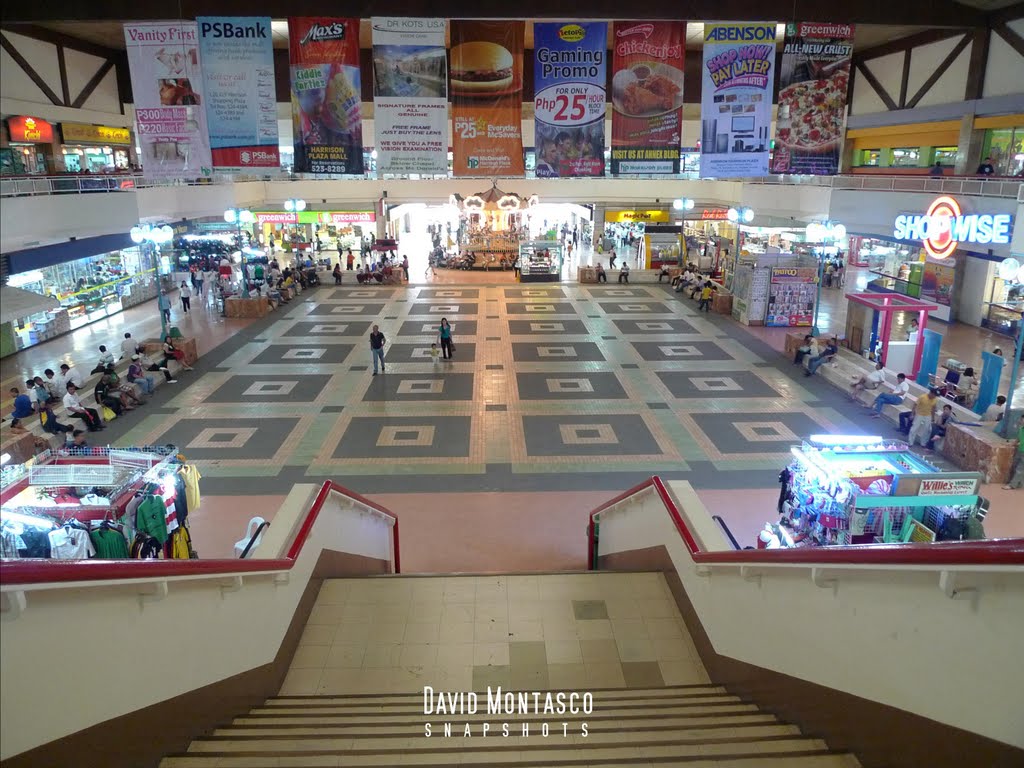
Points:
(241, 102)
(486, 94)
(736, 99)
(647, 96)
(813, 80)
(167, 84)
(569, 75)
(410, 95)
(327, 123)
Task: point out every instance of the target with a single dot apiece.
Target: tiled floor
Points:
(581, 631)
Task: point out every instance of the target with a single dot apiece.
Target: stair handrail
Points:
(990, 552)
(41, 571)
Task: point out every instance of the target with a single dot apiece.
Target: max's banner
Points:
(813, 80)
(241, 102)
(410, 95)
(569, 76)
(647, 96)
(736, 99)
(486, 93)
(167, 83)
(327, 125)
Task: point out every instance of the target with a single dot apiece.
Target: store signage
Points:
(715, 214)
(29, 129)
(945, 225)
(104, 134)
(315, 217)
(966, 486)
(622, 217)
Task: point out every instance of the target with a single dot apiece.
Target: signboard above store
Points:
(624, 217)
(715, 214)
(29, 129)
(315, 217)
(80, 133)
(944, 225)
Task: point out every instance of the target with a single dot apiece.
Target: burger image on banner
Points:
(486, 82)
(482, 68)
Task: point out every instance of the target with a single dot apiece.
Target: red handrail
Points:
(987, 553)
(61, 571)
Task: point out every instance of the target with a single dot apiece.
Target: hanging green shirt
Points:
(151, 518)
(110, 544)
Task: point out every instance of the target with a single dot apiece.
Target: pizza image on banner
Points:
(486, 93)
(814, 78)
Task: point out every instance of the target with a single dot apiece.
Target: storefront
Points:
(88, 289)
(95, 148)
(843, 490)
(1004, 143)
(30, 149)
(1005, 303)
(336, 230)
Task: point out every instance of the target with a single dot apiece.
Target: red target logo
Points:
(939, 242)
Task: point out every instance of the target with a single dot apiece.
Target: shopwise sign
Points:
(944, 225)
(103, 134)
(30, 129)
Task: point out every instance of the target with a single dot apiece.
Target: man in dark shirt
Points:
(986, 168)
(830, 351)
(22, 404)
(377, 342)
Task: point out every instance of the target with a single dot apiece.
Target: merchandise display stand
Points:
(842, 490)
(540, 261)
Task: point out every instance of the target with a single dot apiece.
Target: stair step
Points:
(342, 726)
(718, 707)
(670, 691)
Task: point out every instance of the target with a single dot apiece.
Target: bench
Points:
(969, 448)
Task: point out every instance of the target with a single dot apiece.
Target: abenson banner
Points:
(813, 80)
(569, 74)
(738, 78)
(647, 96)
(167, 85)
(410, 95)
(327, 122)
(241, 101)
(486, 94)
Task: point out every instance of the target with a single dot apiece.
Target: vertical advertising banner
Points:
(813, 80)
(569, 76)
(327, 123)
(487, 98)
(167, 85)
(738, 78)
(647, 96)
(241, 101)
(791, 296)
(410, 95)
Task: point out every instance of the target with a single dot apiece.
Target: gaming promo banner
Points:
(569, 72)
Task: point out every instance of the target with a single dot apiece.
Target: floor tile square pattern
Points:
(368, 636)
(373, 437)
(269, 388)
(597, 435)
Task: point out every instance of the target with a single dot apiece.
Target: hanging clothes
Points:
(151, 518)
(181, 505)
(191, 477)
(10, 543)
(110, 543)
(71, 543)
(145, 547)
(181, 544)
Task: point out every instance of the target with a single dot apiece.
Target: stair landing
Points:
(561, 632)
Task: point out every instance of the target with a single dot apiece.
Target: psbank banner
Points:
(813, 79)
(486, 94)
(167, 86)
(410, 95)
(327, 122)
(738, 78)
(569, 76)
(647, 96)
(241, 102)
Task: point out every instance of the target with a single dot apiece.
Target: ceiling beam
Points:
(83, 97)
(940, 13)
(901, 44)
(1009, 13)
(1014, 40)
(30, 71)
(876, 86)
(940, 70)
(59, 39)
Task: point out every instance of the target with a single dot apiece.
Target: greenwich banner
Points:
(647, 96)
(327, 123)
(813, 80)
(241, 102)
(410, 95)
(486, 94)
(569, 75)
(167, 83)
(736, 99)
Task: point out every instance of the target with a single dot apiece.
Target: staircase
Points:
(354, 694)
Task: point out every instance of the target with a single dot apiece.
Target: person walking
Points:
(164, 303)
(350, 260)
(377, 342)
(405, 267)
(444, 335)
(705, 297)
(185, 294)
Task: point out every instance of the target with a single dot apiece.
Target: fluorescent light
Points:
(846, 439)
(25, 278)
(4, 458)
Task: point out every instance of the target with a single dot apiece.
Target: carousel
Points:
(493, 228)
